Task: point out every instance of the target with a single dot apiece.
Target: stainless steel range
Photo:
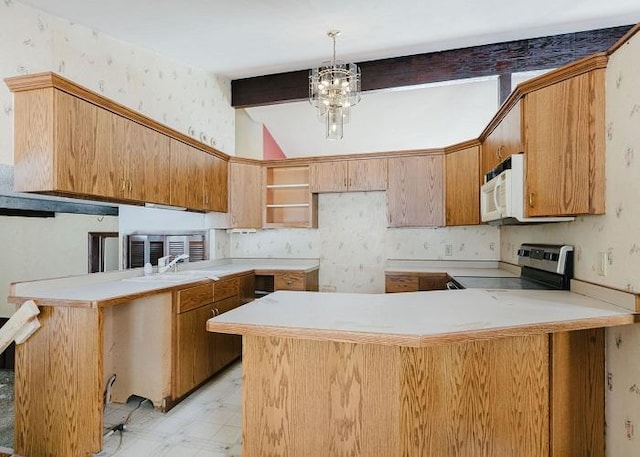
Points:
(543, 266)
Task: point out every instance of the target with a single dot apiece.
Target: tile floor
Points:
(207, 424)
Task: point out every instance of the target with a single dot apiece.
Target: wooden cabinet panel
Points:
(195, 349)
(225, 288)
(246, 288)
(463, 187)
(367, 174)
(148, 176)
(245, 196)
(290, 281)
(34, 168)
(577, 356)
(414, 282)
(194, 297)
(90, 155)
(404, 283)
(415, 196)
(504, 140)
(227, 347)
(216, 177)
(564, 147)
(329, 177)
(349, 175)
(187, 175)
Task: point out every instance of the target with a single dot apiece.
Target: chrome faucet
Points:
(163, 266)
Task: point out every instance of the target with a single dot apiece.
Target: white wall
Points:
(39, 248)
(249, 136)
(185, 98)
(354, 243)
(617, 234)
(433, 116)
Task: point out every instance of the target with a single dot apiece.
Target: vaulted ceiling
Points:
(243, 38)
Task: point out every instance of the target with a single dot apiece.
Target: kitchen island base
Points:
(533, 395)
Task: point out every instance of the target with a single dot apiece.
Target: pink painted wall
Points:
(270, 148)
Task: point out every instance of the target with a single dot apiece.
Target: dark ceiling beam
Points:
(13, 206)
(477, 61)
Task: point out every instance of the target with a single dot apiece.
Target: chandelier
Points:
(334, 87)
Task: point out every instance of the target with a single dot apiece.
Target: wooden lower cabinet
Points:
(297, 281)
(538, 395)
(414, 282)
(195, 349)
(200, 354)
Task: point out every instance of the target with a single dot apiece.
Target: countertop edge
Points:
(419, 340)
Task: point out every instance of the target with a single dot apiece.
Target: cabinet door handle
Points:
(499, 152)
(124, 184)
(532, 199)
(130, 186)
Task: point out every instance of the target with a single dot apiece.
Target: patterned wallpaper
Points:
(354, 243)
(617, 234)
(187, 99)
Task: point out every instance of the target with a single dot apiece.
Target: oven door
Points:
(493, 198)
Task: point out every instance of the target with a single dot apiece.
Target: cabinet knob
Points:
(532, 199)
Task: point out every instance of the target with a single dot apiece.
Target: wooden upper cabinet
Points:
(462, 192)
(187, 175)
(245, 196)
(349, 175)
(504, 140)
(74, 142)
(415, 193)
(288, 202)
(89, 156)
(367, 174)
(216, 177)
(328, 177)
(147, 153)
(564, 147)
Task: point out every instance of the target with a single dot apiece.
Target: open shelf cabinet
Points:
(288, 201)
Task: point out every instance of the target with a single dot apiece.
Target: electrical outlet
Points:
(601, 263)
(448, 250)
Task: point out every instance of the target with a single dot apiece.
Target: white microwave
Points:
(502, 197)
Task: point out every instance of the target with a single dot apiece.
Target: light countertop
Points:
(482, 268)
(122, 285)
(418, 318)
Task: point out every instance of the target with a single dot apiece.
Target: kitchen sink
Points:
(166, 277)
(180, 276)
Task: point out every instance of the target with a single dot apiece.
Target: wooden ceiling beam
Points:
(477, 61)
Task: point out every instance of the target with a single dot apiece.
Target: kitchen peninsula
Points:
(465, 372)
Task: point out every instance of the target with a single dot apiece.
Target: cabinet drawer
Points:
(225, 289)
(401, 284)
(225, 305)
(194, 297)
(289, 281)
